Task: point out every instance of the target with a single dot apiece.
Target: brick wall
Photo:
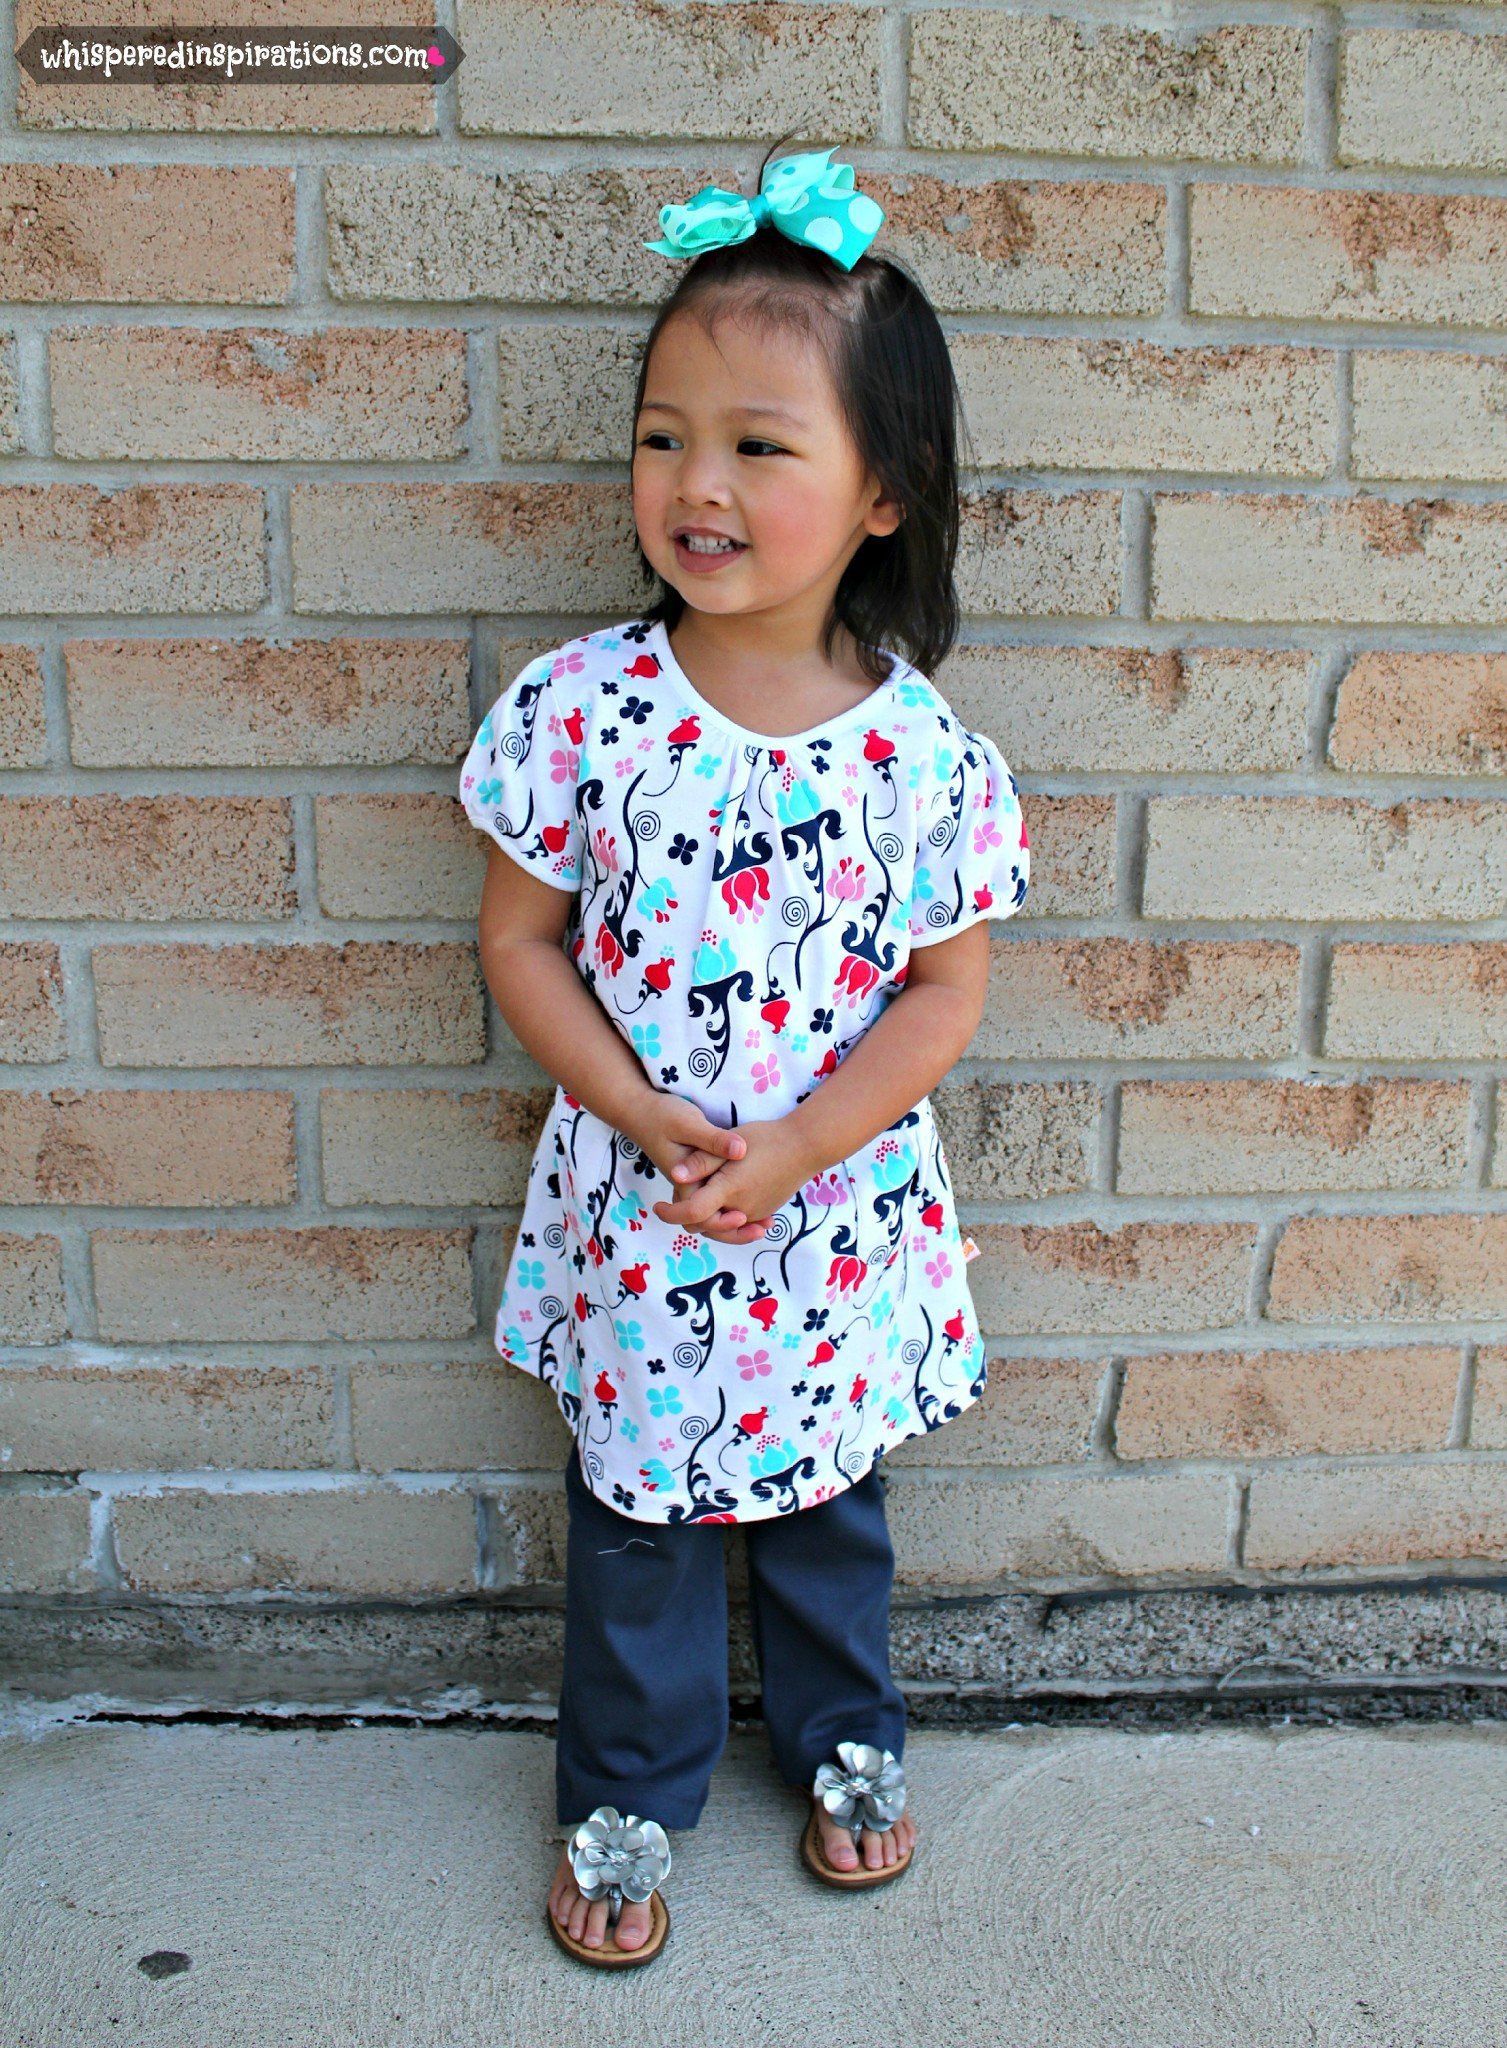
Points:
(312, 427)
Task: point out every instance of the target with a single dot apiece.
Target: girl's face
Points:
(740, 435)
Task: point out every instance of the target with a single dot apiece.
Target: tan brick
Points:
(1004, 1141)
(370, 1002)
(280, 1285)
(128, 234)
(1038, 83)
(1026, 245)
(565, 394)
(1433, 713)
(144, 548)
(44, 1543)
(1373, 1514)
(1255, 555)
(462, 547)
(1296, 254)
(23, 718)
(457, 1417)
(429, 1145)
(369, 1541)
(1058, 402)
(398, 853)
(1032, 552)
(1488, 1414)
(532, 1522)
(32, 1308)
(973, 1532)
(1239, 1137)
(57, 1418)
(689, 71)
(147, 857)
(12, 441)
(1323, 858)
(1034, 1279)
(1034, 1411)
(1113, 998)
(31, 1001)
(1287, 1404)
(258, 394)
(1417, 1002)
(436, 232)
(1428, 413)
(177, 1147)
(287, 107)
(1133, 709)
(234, 703)
(1408, 1269)
(1072, 855)
(1432, 97)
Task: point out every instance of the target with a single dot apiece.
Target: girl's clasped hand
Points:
(728, 1183)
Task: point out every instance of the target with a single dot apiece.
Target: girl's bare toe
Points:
(836, 1841)
(633, 1925)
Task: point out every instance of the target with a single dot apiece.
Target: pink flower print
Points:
(737, 1332)
(567, 663)
(766, 1073)
(986, 834)
(825, 1438)
(939, 1269)
(828, 1190)
(667, 1443)
(564, 764)
(847, 884)
(752, 1038)
(849, 795)
(606, 851)
(752, 1364)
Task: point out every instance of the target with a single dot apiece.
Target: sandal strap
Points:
(618, 1856)
(865, 1788)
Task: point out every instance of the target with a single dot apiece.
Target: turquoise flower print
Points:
(658, 901)
(921, 886)
(531, 1272)
(696, 1262)
(800, 1042)
(629, 1335)
(714, 963)
(628, 1428)
(708, 765)
(664, 1401)
(892, 1169)
(484, 732)
(913, 694)
(572, 1380)
(794, 806)
(629, 1211)
(646, 1041)
(514, 1345)
(896, 1414)
(657, 1477)
(773, 1455)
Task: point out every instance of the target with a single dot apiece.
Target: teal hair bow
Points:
(805, 197)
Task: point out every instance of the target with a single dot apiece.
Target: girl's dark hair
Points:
(895, 386)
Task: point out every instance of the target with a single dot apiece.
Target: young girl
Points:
(748, 860)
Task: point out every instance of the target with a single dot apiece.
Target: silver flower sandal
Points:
(618, 1856)
(865, 1788)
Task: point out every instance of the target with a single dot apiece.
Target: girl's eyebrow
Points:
(747, 412)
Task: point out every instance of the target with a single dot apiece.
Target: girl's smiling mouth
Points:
(706, 556)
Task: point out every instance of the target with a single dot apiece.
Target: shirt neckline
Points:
(864, 708)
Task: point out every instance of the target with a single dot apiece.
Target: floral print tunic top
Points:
(745, 909)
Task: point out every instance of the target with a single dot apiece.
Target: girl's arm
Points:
(916, 1042)
(559, 1022)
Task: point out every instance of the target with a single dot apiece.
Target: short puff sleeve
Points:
(518, 783)
(972, 856)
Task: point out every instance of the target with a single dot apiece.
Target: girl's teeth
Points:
(699, 546)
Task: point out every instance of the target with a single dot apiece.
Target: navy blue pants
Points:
(643, 1701)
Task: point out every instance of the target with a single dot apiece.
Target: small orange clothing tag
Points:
(970, 1250)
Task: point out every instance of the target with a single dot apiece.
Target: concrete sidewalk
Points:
(382, 1887)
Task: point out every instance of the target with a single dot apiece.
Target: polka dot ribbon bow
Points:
(806, 197)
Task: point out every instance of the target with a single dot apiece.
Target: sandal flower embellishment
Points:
(618, 1856)
(865, 1789)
